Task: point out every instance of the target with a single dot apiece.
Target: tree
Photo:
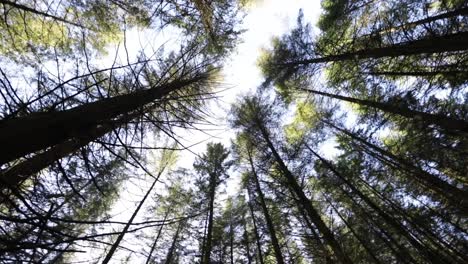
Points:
(212, 165)
(252, 116)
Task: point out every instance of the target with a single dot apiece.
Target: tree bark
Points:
(207, 251)
(269, 222)
(15, 175)
(441, 121)
(25, 135)
(446, 43)
(452, 194)
(305, 202)
(170, 253)
(431, 257)
(257, 236)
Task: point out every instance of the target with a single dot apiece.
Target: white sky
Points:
(267, 19)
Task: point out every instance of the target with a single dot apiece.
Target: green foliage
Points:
(305, 118)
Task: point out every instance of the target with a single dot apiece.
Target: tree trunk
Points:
(442, 121)
(452, 194)
(417, 73)
(157, 237)
(127, 226)
(246, 239)
(454, 13)
(446, 43)
(356, 235)
(170, 253)
(322, 247)
(207, 251)
(25, 135)
(433, 258)
(15, 175)
(269, 222)
(231, 238)
(305, 202)
(257, 236)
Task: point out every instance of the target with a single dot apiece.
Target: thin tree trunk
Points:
(207, 253)
(451, 193)
(436, 240)
(305, 202)
(257, 236)
(26, 135)
(269, 222)
(246, 239)
(416, 73)
(157, 237)
(446, 43)
(170, 253)
(127, 226)
(442, 121)
(356, 235)
(231, 237)
(326, 254)
(433, 258)
(401, 252)
(454, 13)
(204, 236)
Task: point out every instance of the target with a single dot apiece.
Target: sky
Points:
(265, 20)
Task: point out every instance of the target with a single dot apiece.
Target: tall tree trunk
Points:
(15, 175)
(305, 202)
(356, 235)
(231, 238)
(148, 260)
(433, 258)
(454, 13)
(452, 194)
(170, 253)
(446, 43)
(442, 121)
(207, 251)
(443, 247)
(269, 222)
(129, 223)
(314, 234)
(25, 135)
(257, 236)
(418, 73)
(246, 239)
(203, 248)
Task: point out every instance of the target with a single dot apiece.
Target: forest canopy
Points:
(351, 147)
